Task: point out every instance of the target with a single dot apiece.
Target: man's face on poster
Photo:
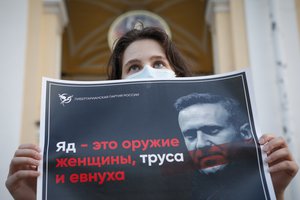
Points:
(207, 132)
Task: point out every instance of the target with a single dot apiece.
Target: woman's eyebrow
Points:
(158, 57)
(133, 61)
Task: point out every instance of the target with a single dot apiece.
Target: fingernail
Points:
(270, 169)
(265, 148)
(261, 141)
(267, 159)
(38, 156)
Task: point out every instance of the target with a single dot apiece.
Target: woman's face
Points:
(143, 52)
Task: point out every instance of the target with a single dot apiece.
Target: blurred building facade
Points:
(69, 40)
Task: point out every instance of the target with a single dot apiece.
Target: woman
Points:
(146, 53)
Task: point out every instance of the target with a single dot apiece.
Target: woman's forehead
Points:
(142, 50)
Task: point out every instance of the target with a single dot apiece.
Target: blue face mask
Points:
(152, 73)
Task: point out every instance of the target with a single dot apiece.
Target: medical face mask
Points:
(150, 72)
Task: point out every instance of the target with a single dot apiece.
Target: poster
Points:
(151, 139)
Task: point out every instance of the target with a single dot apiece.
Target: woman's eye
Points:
(159, 65)
(134, 68)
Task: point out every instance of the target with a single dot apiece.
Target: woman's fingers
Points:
(266, 138)
(26, 157)
(271, 143)
(28, 153)
(13, 180)
(30, 146)
(289, 167)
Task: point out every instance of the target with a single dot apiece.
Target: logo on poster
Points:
(64, 98)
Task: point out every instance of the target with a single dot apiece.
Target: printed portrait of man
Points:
(217, 134)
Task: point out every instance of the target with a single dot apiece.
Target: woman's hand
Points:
(282, 166)
(22, 177)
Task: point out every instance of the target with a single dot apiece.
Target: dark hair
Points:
(114, 69)
(237, 115)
